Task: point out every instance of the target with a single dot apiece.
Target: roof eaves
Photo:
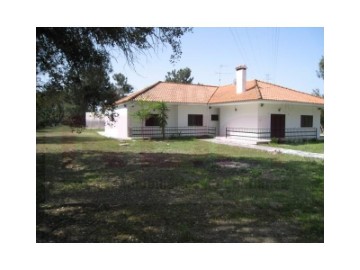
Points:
(293, 102)
(300, 92)
(233, 101)
(136, 94)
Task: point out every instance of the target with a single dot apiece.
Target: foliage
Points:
(76, 61)
(316, 92)
(320, 72)
(147, 108)
(162, 116)
(122, 87)
(179, 76)
(143, 113)
(88, 89)
(59, 49)
(49, 108)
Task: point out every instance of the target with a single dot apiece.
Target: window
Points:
(306, 121)
(195, 120)
(214, 117)
(152, 121)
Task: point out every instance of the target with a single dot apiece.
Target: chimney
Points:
(240, 79)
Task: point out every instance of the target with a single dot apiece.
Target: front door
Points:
(278, 126)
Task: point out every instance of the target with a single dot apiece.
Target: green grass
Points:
(310, 146)
(94, 189)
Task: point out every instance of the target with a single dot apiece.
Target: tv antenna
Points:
(221, 73)
(267, 77)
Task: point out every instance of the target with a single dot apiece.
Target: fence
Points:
(155, 132)
(268, 133)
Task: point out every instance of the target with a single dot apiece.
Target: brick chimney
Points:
(240, 79)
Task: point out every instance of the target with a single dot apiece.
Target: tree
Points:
(77, 59)
(122, 87)
(320, 72)
(88, 89)
(143, 113)
(61, 48)
(179, 76)
(162, 117)
(49, 108)
(316, 92)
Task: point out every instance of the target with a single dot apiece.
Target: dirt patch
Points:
(160, 161)
(198, 163)
(114, 161)
(233, 164)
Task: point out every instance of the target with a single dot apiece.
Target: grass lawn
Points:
(313, 147)
(93, 189)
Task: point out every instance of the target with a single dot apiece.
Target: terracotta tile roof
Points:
(259, 90)
(203, 94)
(227, 93)
(271, 91)
(173, 92)
(134, 95)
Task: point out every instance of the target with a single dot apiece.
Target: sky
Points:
(287, 56)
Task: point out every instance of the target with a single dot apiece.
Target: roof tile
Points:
(203, 94)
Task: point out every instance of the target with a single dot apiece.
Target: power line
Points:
(237, 45)
(276, 50)
(252, 48)
(243, 47)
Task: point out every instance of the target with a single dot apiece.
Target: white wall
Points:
(292, 113)
(94, 122)
(253, 115)
(214, 123)
(135, 122)
(203, 109)
(119, 129)
(172, 115)
(246, 116)
(185, 110)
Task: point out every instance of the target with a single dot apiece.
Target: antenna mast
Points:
(220, 73)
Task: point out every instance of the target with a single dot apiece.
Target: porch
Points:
(172, 132)
(264, 135)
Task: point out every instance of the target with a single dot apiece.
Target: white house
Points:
(250, 109)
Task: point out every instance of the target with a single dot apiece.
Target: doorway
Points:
(277, 126)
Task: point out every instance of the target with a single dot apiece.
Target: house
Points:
(248, 109)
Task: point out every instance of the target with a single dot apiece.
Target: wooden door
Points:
(278, 126)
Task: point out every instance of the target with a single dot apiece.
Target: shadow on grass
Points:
(92, 196)
(75, 139)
